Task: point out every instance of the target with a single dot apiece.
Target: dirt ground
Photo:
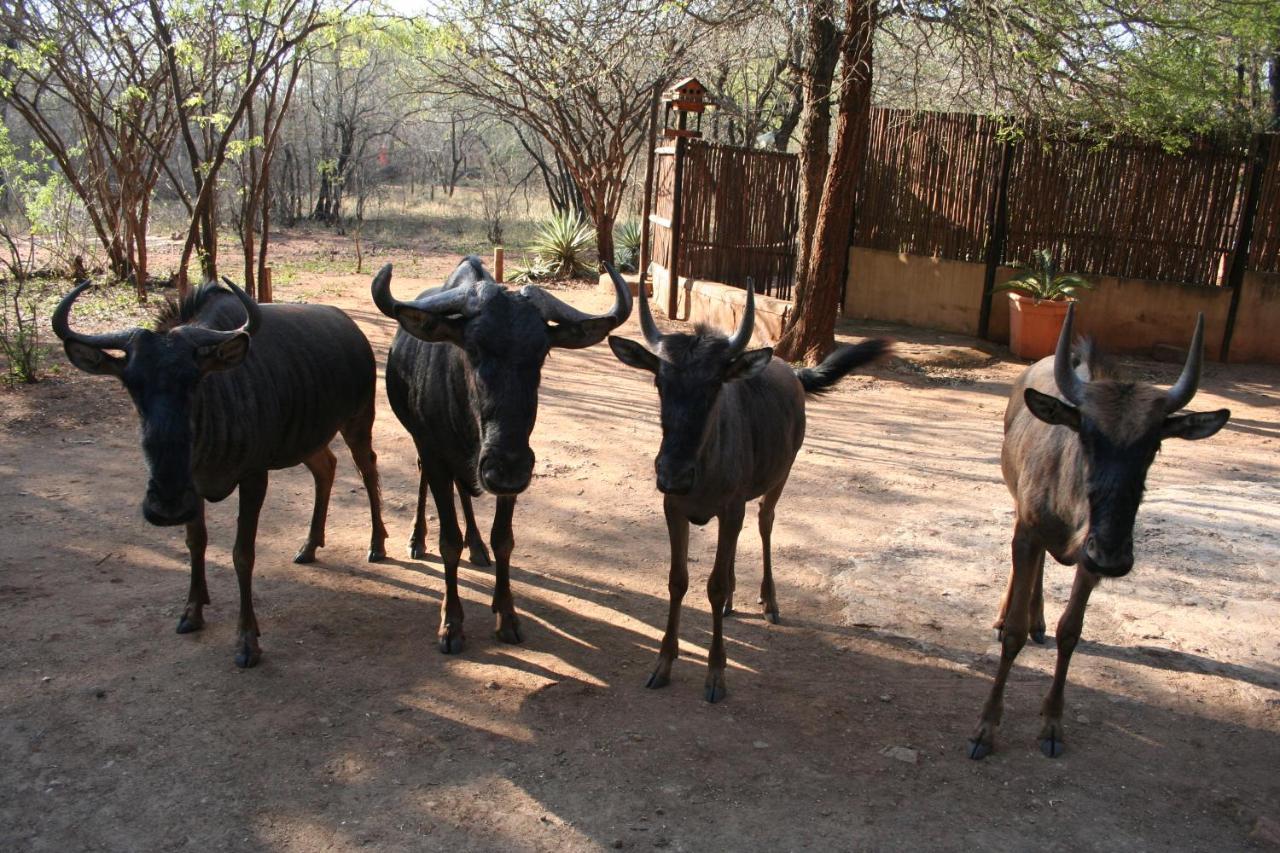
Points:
(844, 728)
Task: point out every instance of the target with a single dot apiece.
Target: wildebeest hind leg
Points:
(768, 595)
(198, 596)
(677, 586)
(358, 434)
(252, 491)
(418, 539)
(476, 552)
(718, 587)
(322, 464)
(507, 627)
(1037, 605)
(450, 635)
(1026, 556)
(1068, 634)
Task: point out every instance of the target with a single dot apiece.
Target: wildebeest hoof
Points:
(478, 555)
(249, 654)
(1052, 746)
(417, 551)
(771, 616)
(306, 554)
(451, 644)
(377, 555)
(715, 689)
(658, 679)
(508, 630)
(1038, 636)
(979, 750)
(190, 622)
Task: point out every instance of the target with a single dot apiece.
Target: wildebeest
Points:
(732, 423)
(463, 376)
(1077, 447)
(228, 390)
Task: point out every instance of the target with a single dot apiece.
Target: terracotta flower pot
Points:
(1034, 325)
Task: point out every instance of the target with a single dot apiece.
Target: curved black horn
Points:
(1069, 384)
(251, 309)
(652, 336)
(62, 326)
(553, 310)
(1185, 388)
(742, 337)
(443, 302)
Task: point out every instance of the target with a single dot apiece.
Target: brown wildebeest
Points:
(732, 424)
(227, 391)
(1076, 463)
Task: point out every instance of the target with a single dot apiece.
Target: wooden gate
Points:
(724, 214)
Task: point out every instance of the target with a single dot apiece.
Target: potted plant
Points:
(1038, 300)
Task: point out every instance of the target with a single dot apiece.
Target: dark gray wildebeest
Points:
(463, 376)
(1078, 443)
(228, 390)
(732, 424)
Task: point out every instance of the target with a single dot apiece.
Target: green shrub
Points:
(560, 250)
(627, 240)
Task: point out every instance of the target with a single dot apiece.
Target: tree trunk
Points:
(810, 333)
(823, 51)
(1273, 77)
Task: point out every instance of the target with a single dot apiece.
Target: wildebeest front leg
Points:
(322, 464)
(450, 635)
(358, 434)
(476, 552)
(719, 585)
(677, 585)
(768, 596)
(198, 596)
(1026, 557)
(418, 539)
(252, 491)
(1037, 606)
(1068, 635)
(507, 628)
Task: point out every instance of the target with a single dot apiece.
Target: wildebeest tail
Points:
(842, 361)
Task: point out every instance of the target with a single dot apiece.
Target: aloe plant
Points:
(560, 250)
(628, 242)
(1043, 281)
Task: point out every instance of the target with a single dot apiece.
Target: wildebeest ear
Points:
(579, 335)
(1051, 410)
(749, 364)
(93, 360)
(223, 355)
(1195, 424)
(633, 354)
(431, 327)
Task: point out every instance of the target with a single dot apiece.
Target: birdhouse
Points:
(686, 97)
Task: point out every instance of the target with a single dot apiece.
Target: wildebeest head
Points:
(160, 370)
(505, 336)
(1121, 426)
(690, 372)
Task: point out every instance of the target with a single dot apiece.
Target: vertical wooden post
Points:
(1260, 151)
(498, 264)
(677, 222)
(642, 263)
(997, 232)
(264, 286)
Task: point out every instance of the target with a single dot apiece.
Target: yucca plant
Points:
(560, 249)
(627, 239)
(1045, 282)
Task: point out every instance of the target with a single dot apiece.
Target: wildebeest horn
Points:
(553, 310)
(1064, 374)
(1185, 388)
(251, 308)
(62, 326)
(742, 337)
(442, 302)
(649, 328)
